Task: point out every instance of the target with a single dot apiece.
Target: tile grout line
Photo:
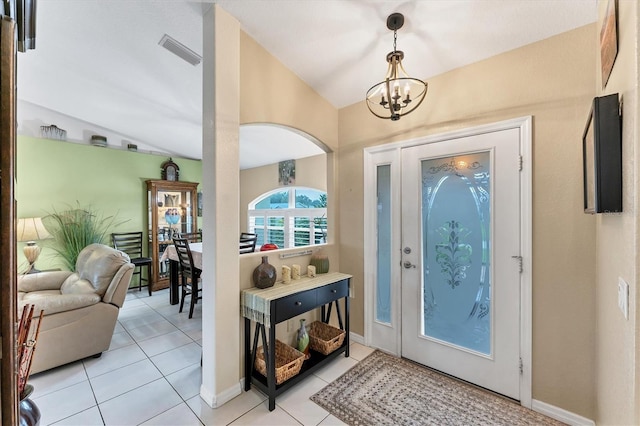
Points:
(184, 401)
(147, 357)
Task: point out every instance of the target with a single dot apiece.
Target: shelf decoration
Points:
(302, 340)
(170, 171)
(264, 275)
(53, 132)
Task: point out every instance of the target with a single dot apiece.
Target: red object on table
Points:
(268, 246)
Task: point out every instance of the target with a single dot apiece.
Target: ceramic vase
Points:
(320, 261)
(264, 275)
(28, 411)
(302, 341)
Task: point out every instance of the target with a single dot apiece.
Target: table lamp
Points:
(29, 230)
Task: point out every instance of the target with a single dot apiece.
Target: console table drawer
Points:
(290, 306)
(331, 292)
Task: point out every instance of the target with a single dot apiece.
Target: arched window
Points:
(290, 217)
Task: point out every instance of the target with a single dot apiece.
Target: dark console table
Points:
(270, 306)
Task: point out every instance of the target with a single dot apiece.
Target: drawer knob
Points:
(334, 291)
(298, 303)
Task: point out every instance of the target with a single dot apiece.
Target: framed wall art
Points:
(287, 172)
(602, 157)
(609, 41)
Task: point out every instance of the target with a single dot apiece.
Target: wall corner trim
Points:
(560, 414)
(215, 401)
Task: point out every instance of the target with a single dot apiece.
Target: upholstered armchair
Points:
(80, 308)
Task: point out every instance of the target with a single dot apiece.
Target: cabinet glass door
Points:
(174, 218)
(171, 213)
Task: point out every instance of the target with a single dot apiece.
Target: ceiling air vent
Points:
(179, 49)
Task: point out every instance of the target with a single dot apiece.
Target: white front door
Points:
(461, 258)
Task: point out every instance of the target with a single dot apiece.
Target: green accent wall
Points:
(58, 175)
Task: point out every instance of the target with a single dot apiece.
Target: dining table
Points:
(171, 255)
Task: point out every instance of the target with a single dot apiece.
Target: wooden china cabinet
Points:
(172, 210)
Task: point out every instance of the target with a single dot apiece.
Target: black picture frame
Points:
(602, 157)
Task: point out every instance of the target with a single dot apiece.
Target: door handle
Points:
(408, 265)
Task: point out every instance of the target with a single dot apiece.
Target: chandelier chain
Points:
(395, 39)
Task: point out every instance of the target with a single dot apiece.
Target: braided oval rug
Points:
(386, 390)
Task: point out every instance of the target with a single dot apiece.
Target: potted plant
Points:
(76, 228)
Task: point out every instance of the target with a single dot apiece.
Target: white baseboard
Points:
(560, 414)
(215, 401)
(356, 338)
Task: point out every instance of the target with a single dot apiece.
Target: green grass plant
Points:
(76, 228)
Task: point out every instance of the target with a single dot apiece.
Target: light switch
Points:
(623, 297)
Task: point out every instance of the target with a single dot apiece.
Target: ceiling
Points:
(99, 60)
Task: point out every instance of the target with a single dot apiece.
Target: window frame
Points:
(289, 216)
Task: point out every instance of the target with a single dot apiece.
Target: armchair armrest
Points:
(119, 285)
(51, 280)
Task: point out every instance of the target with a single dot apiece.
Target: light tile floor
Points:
(151, 375)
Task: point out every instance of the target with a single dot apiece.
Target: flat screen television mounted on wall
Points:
(602, 157)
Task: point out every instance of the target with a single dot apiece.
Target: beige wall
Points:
(617, 243)
(270, 93)
(311, 172)
(552, 80)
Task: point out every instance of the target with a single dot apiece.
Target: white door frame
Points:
(371, 160)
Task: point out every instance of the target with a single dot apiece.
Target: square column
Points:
(221, 189)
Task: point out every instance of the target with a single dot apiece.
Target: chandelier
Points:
(398, 94)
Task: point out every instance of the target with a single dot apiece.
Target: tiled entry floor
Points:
(151, 375)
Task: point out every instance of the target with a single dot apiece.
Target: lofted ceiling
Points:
(99, 61)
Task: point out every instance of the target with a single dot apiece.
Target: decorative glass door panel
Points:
(456, 211)
(383, 284)
(383, 227)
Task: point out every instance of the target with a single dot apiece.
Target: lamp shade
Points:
(31, 229)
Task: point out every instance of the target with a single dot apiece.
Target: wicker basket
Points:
(324, 338)
(288, 362)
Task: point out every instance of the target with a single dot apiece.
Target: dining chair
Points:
(189, 275)
(247, 242)
(131, 244)
(192, 237)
